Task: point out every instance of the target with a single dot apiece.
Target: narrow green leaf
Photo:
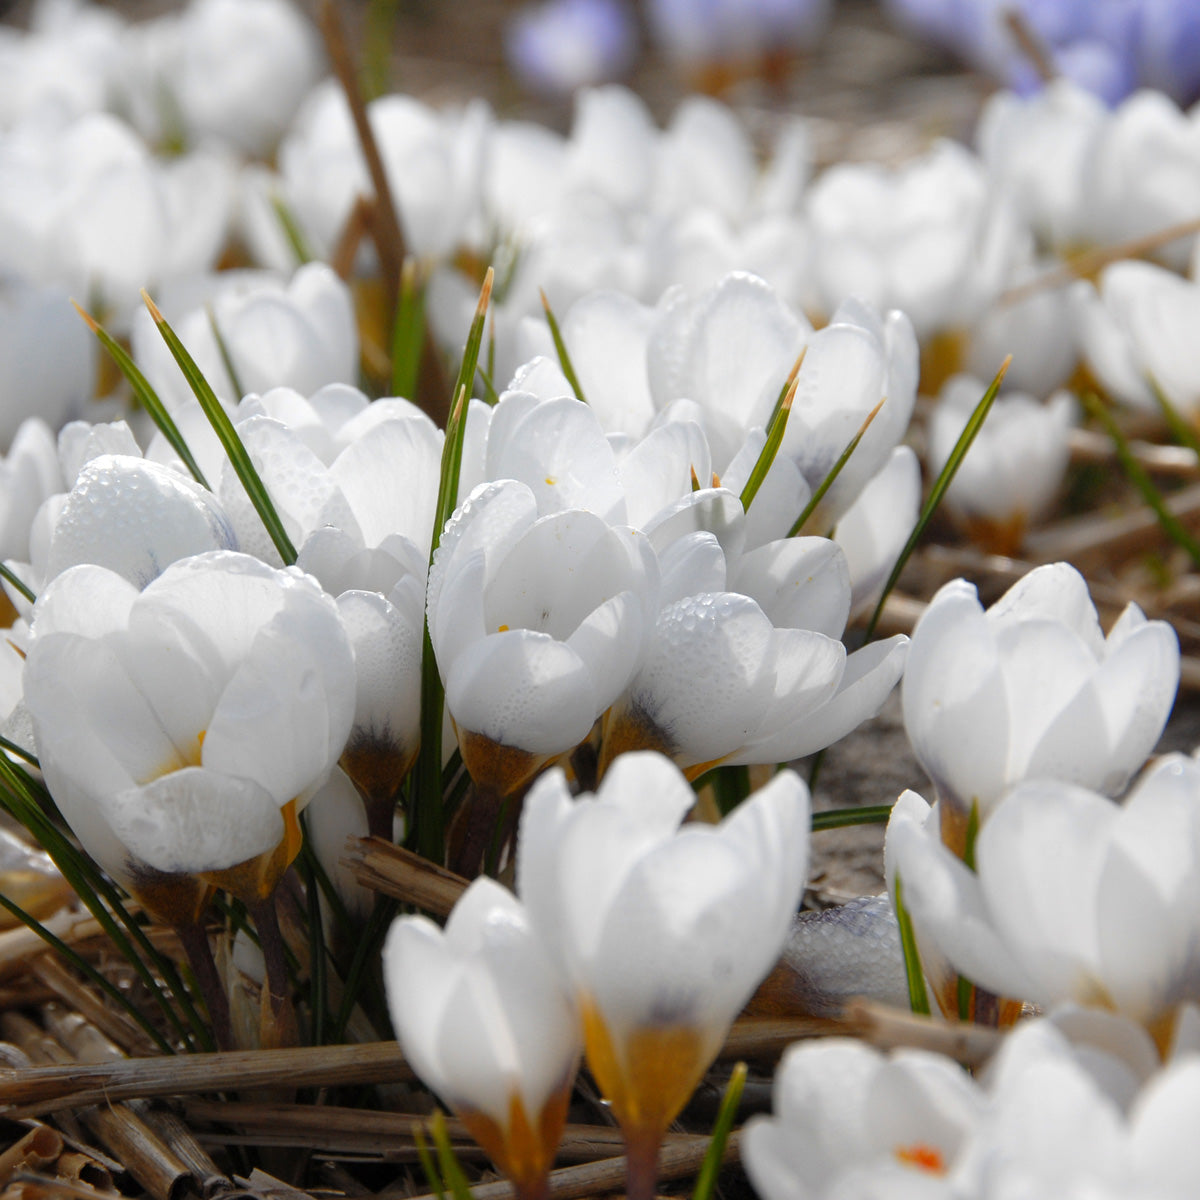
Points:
(695, 480)
(146, 395)
(774, 439)
(427, 809)
(432, 1174)
(408, 333)
(239, 457)
(918, 998)
(972, 835)
(223, 350)
(452, 1172)
(560, 346)
(1140, 478)
(297, 242)
(377, 50)
(940, 484)
(837, 818)
(490, 395)
(366, 954)
(307, 865)
(731, 785)
(17, 584)
(1181, 430)
(834, 471)
(20, 751)
(84, 967)
(706, 1181)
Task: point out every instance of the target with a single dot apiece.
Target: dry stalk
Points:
(115, 1025)
(120, 1130)
(403, 875)
(1080, 266)
(53, 1088)
(389, 236)
(18, 946)
(1090, 445)
(352, 1130)
(40, 1147)
(1099, 540)
(677, 1161)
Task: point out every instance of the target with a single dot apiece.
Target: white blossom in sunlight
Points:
(1012, 473)
(661, 932)
(182, 728)
(483, 1017)
(538, 624)
(1135, 333)
(1073, 896)
(1032, 687)
(299, 333)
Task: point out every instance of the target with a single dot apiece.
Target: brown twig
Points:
(122, 1132)
(386, 222)
(114, 1024)
(403, 875)
(1081, 266)
(53, 1088)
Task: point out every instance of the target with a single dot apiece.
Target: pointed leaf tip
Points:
(88, 319)
(152, 307)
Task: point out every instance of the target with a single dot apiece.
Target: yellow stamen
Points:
(923, 1157)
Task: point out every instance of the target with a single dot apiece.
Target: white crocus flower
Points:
(873, 530)
(299, 333)
(849, 1120)
(130, 516)
(1037, 147)
(29, 474)
(47, 358)
(486, 1022)
(181, 728)
(1032, 687)
(1073, 896)
(662, 932)
(1143, 173)
(230, 70)
(930, 237)
(1136, 332)
(1012, 473)
(538, 625)
(743, 664)
(84, 204)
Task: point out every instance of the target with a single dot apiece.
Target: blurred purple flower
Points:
(567, 44)
(715, 30)
(1110, 47)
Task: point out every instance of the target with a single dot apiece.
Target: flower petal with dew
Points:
(225, 689)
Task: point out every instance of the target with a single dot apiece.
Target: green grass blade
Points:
(1140, 478)
(239, 457)
(223, 350)
(938, 490)
(428, 814)
(85, 968)
(1181, 430)
(706, 1181)
(834, 471)
(774, 439)
(297, 242)
(20, 751)
(838, 818)
(146, 395)
(17, 584)
(408, 333)
(731, 785)
(918, 998)
(376, 69)
(452, 1172)
(432, 1175)
(560, 347)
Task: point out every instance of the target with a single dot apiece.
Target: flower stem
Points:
(641, 1165)
(266, 921)
(195, 943)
